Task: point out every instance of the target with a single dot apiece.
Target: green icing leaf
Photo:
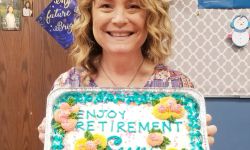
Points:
(179, 101)
(71, 101)
(56, 125)
(61, 131)
(155, 102)
(162, 147)
(166, 141)
(58, 128)
(88, 135)
(183, 149)
(171, 119)
(99, 147)
(155, 130)
(73, 116)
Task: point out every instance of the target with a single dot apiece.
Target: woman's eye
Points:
(134, 6)
(106, 6)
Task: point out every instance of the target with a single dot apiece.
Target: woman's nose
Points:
(119, 18)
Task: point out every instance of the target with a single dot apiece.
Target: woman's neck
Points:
(121, 64)
(123, 71)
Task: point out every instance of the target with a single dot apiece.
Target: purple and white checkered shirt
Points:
(163, 76)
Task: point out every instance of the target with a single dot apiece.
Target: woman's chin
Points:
(121, 49)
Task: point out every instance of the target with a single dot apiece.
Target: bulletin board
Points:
(202, 51)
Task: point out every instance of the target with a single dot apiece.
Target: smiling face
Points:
(119, 25)
(241, 23)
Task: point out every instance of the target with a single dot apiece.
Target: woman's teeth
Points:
(120, 34)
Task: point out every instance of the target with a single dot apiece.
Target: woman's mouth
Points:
(120, 34)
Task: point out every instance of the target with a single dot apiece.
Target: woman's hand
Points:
(211, 130)
(41, 130)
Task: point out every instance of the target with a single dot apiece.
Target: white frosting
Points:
(126, 113)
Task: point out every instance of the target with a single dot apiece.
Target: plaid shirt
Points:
(163, 76)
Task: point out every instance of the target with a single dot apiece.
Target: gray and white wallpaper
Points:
(203, 52)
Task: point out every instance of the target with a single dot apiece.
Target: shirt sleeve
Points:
(186, 82)
(69, 79)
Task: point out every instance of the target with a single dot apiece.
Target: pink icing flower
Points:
(162, 108)
(176, 108)
(91, 145)
(61, 115)
(171, 103)
(69, 124)
(75, 108)
(155, 139)
(65, 106)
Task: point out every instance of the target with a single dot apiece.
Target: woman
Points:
(123, 43)
(27, 9)
(10, 18)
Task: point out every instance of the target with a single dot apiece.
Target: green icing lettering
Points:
(155, 125)
(80, 114)
(112, 114)
(166, 124)
(122, 114)
(131, 127)
(88, 114)
(101, 112)
(112, 126)
(102, 123)
(79, 125)
(90, 125)
(120, 126)
(177, 125)
(116, 141)
(143, 128)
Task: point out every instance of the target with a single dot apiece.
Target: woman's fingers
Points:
(41, 137)
(210, 140)
(211, 130)
(41, 130)
(208, 119)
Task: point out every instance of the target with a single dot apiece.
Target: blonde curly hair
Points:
(87, 53)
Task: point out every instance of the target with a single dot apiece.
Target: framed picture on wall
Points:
(0, 14)
(10, 15)
(27, 8)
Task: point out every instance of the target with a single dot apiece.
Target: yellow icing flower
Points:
(172, 148)
(80, 144)
(84, 144)
(168, 107)
(165, 99)
(100, 140)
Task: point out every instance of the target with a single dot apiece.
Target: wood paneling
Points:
(30, 61)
